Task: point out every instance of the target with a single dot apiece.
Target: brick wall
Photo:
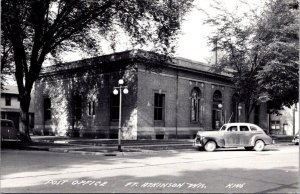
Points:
(95, 84)
(177, 87)
(91, 87)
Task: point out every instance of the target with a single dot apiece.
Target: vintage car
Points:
(296, 139)
(245, 135)
(8, 130)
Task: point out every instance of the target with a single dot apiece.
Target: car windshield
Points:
(223, 128)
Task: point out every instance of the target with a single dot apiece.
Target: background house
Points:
(286, 123)
(10, 106)
(166, 99)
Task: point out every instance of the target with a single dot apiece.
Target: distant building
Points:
(287, 123)
(175, 100)
(10, 106)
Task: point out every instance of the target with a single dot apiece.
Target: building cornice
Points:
(123, 59)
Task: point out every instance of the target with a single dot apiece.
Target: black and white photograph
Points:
(150, 96)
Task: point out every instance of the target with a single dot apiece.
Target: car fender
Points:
(255, 138)
(219, 142)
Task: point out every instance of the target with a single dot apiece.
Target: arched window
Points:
(195, 105)
(217, 97)
(217, 113)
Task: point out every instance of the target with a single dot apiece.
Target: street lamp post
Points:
(116, 92)
(220, 106)
(239, 109)
(294, 118)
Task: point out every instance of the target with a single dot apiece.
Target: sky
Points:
(193, 38)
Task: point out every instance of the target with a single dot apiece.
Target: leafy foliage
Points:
(36, 28)
(278, 37)
(261, 51)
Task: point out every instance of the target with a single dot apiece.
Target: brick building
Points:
(175, 100)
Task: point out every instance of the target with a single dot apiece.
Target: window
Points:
(223, 128)
(91, 107)
(255, 128)
(159, 107)
(77, 107)
(195, 104)
(244, 128)
(47, 109)
(6, 124)
(275, 125)
(232, 128)
(31, 120)
(114, 107)
(217, 114)
(7, 101)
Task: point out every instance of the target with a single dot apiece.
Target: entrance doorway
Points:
(217, 112)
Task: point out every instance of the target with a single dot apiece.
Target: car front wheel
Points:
(210, 146)
(259, 145)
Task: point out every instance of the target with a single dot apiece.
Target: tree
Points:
(36, 28)
(6, 60)
(260, 51)
(278, 37)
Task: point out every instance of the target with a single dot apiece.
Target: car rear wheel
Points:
(210, 146)
(249, 148)
(259, 145)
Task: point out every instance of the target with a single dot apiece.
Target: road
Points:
(183, 171)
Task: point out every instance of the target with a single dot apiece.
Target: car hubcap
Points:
(210, 146)
(259, 145)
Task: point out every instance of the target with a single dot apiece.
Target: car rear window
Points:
(244, 128)
(6, 124)
(254, 128)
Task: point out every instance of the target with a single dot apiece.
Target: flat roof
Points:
(137, 54)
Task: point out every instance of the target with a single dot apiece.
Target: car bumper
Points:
(197, 143)
(295, 141)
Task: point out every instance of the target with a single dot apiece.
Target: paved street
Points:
(227, 171)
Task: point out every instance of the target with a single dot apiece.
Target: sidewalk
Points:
(97, 146)
(107, 147)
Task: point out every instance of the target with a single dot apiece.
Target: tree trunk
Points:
(247, 116)
(247, 112)
(24, 115)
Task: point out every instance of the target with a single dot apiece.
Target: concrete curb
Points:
(113, 153)
(128, 150)
(105, 152)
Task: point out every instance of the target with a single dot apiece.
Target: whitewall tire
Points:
(259, 145)
(210, 146)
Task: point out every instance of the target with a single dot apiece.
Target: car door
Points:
(230, 136)
(244, 135)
